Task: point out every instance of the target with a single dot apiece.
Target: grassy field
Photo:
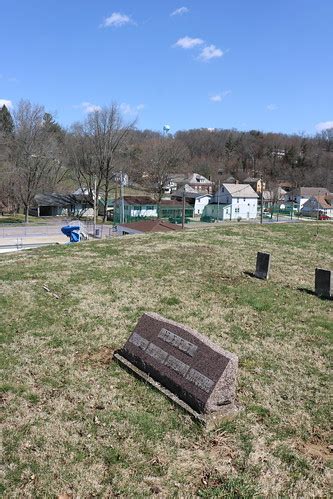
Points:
(20, 219)
(75, 423)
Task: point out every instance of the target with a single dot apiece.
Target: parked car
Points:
(178, 220)
(207, 218)
(324, 217)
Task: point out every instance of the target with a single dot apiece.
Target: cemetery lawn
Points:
(74, 422)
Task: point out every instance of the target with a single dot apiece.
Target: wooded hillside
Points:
(38, 155)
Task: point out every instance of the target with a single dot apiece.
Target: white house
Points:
(194, 198)
(322, 205)
(173, 180)
(301, 195)
(233, 201)
(200, 203)
(136, 207)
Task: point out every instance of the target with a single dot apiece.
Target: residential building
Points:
(286, 185)
(193, 198)
(200, 202)
(279, 153)
(227, 178)
(59, 204)
(198, 182)
(146, 207)
(318, 205)
(233, 201)
(135, 207)
(298, 197)
(174, 179)
(256, 183)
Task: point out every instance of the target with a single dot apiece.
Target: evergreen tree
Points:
(52, 126)
(6, 121)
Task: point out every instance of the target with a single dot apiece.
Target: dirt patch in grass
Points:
(102, 356)
(323, 452)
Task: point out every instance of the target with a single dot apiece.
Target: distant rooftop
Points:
(196, 178)
(138, 200)
(251, 179)
(240, 190)
(313, 191)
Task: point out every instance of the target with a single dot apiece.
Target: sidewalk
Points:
(11, 244)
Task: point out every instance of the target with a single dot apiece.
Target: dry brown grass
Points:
(75, 423)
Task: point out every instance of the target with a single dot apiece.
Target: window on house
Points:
(236, 210)
(237, 200)
(150, 207)
(244, 199)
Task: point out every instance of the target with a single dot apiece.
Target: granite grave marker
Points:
(182, 363)
(323, 283)
(263, 265)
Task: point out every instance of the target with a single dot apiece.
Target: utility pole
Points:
(262, 201)
(115, 204)
(318, 214)
(95, 205)
(220, 172)
(122, 198)
(183, 209)
(218, 202)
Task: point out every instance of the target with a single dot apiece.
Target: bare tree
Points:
(160, 157)
(94, 145)
(32, 157)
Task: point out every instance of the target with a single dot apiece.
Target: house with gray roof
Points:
(233, 201)
(196, 199)
(198, 182)
(256, 183)
(299, 196)
(319, 205)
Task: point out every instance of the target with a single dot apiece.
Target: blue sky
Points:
(259, 64)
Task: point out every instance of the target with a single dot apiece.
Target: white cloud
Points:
(88, 107)
(188, 43)
(220, 97)
(271, 107)
(129, 110)
(116, 20)
(180, 11)
(6, 102)
(324, 125)
(210, 52)
(11, 79)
